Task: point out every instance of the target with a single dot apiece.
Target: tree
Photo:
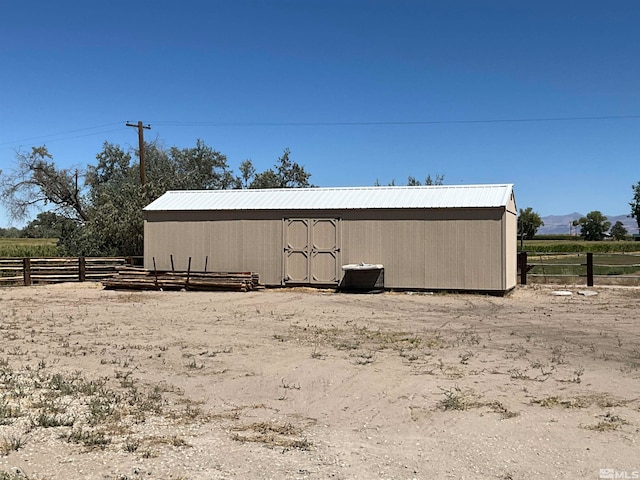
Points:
(618, 232)
(437, 180)
(115, 224)
(200, 167)
(284, 174)
(247, 172)
(635, 205)
(414, 182)
(10, 232)
(98, 211)
(35, 182)
(49, 225)
(593, 226)
(529, 222)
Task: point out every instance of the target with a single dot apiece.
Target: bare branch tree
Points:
(35, 182)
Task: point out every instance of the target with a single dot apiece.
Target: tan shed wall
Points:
(511, 244)
(456, 249)
(230, 245)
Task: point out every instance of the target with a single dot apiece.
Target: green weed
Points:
(12, 443)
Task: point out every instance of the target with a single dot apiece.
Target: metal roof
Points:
(339, 198)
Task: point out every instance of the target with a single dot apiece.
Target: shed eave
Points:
(355, 198)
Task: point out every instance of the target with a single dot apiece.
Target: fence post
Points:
(26, 271)
(82, 269)
(589, 269)
(155, 271)
(522, 257)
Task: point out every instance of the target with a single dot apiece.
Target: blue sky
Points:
(358, 90)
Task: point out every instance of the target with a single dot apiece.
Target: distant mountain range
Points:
(555, 224)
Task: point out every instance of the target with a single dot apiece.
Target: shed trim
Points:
(344, 198)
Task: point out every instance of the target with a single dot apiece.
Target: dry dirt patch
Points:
(312, 384)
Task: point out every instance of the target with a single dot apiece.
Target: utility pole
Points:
(140, 127)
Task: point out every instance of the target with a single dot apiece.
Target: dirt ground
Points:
(308, 384)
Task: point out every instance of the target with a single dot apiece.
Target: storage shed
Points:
(427, 237)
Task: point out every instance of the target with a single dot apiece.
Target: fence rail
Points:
(546, 267)
(603, 268)
(29, 271)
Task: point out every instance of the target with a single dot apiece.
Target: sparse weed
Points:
(557, 354)
(101, 407)
(96, 402)
(191, 412)
(151, 401)
(608, 423)
(194, 365)
(8, 412)
(125, 377)
(173, 440)
(516, 350)
(465, 357)
(454, 399)
(88, 438)
(577, 375)
(364, 358)
(434, 340)
(49, 420)
(498, 407)
(535, 364)
(16, 475)
(317, 354)
(410, 356)
(59, 383)
(131, 445)
(583, 401)
(518, 374)
(469, 337)
(149, 454)
(178, 441)
(272, 435)
(347, 345)
(12, 443)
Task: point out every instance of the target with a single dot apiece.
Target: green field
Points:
(28, 247)
(574, 246)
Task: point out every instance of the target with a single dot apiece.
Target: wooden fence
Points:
(29, 271)
(581, 267)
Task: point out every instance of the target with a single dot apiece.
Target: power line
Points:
(68, 132)
(318, 124)
(401, 123)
